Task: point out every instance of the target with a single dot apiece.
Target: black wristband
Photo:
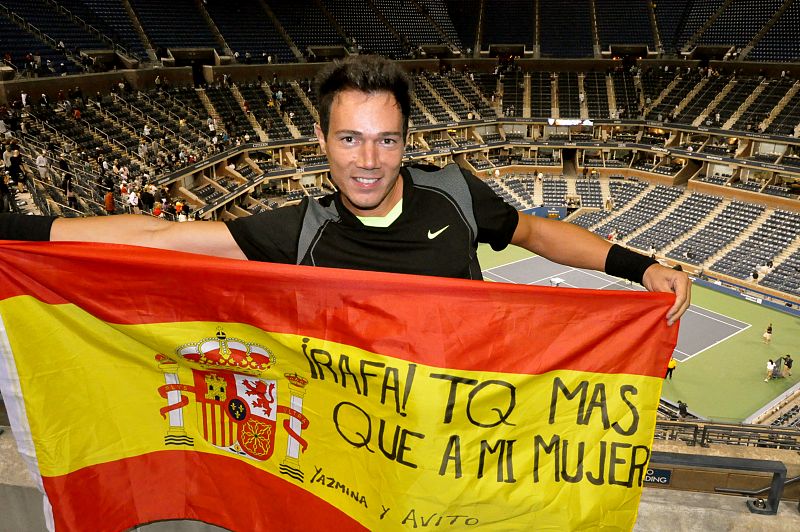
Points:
(25, 227)
(622, 262)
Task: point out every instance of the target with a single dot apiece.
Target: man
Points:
(683, 410)
(42, 165)
(384, 217)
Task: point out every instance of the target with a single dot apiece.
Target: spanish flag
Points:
(147, 385)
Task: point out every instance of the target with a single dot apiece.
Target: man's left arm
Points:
(574, 246)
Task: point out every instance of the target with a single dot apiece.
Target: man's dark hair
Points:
(365, 73)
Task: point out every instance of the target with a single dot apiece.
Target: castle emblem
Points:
(237, 407)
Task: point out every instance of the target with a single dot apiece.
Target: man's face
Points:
(364, 145)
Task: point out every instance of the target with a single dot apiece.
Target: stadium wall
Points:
(140, 79)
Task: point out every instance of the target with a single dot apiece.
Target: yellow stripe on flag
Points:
(433, 445)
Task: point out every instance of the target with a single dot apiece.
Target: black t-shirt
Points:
(446, 213)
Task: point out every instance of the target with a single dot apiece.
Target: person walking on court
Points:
(770, 369)
(671, 365)
(787, 366)
(767, 336)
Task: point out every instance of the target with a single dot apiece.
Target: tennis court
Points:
(700, 328)
(720, 351)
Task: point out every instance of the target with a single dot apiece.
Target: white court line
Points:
(719, 320)
(564, 284)
(501, 277)
(746, 325)
(604, 277)
(510, 263)
(717, 342)
(551, 276)
(623, 287)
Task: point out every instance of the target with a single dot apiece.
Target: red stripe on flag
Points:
(451, 323)
(213, 407)
(186, 485)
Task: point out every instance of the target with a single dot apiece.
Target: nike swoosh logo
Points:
(431, 236)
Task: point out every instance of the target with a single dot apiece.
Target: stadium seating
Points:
(739, 22)
(623, 22)
(643, 212)
(594, 86)
(590, 193)
(554, 192)
(176, 117)
(669, 14)
(268, 116)
(18, 43)
(233, 117)
(669, 104)
(462, 13)
(509, 22)
(763, 245)
(471, 94)
(745, 85)
(588, 219)
(363, 25)
(779, 43)
(541, 99)
(568, 95)
(717, 234)
(760, 109)
(54, 24)
(248, 30)
(306, 24)
(788, 117)
(442, 88)
(695, 15)
(786, 275)
(625, 94)
(679, 221)
(410, 22)
(513, 93)
(431, 103)
(699, 103)
(575, 15)
(174, 24)
(110, 18)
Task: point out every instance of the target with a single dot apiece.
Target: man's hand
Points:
(658, 278)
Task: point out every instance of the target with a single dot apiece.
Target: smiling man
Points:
(384, 216)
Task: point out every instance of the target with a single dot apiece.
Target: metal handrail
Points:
(758, 491)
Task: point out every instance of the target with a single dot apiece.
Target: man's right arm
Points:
(208, 238)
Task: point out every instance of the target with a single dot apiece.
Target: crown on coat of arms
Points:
(228, 354)
(296, 379)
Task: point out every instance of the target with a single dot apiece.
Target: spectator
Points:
(69, 192)
(5, 193)
(133, 202)
(109, 201)
(43, 167)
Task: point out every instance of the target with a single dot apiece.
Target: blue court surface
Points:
(700, 328)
